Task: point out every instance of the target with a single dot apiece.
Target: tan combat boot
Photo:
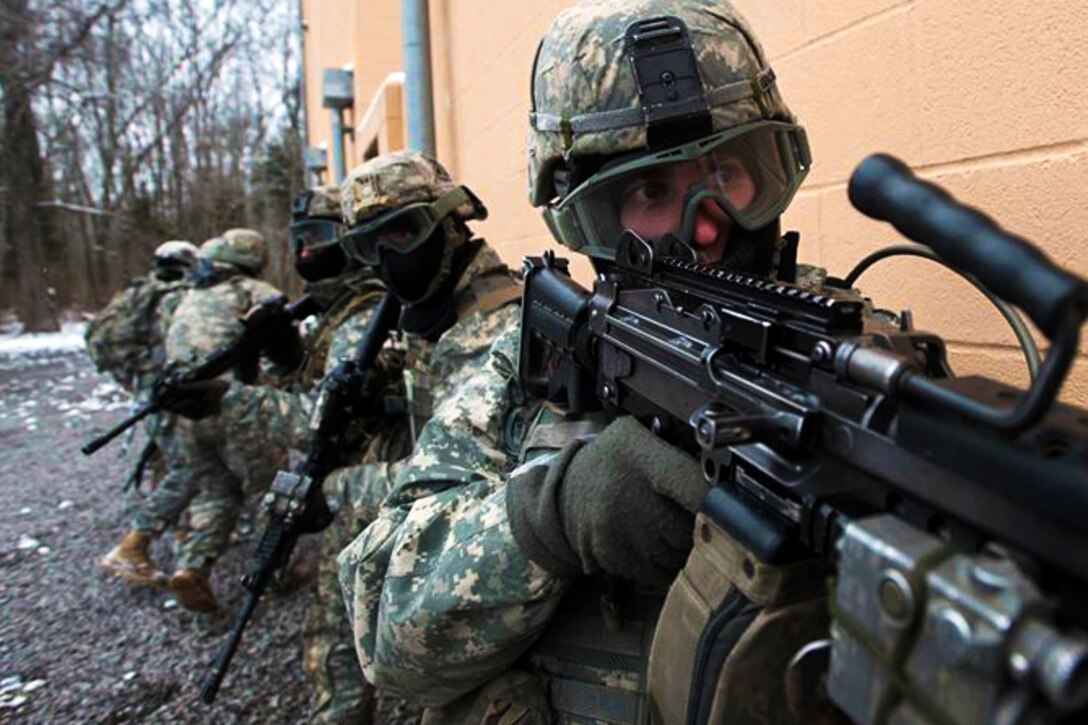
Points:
(131, 561)
(193, 590)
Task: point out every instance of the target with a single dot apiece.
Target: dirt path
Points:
(76, 646)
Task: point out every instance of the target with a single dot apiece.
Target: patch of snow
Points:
(128, 676)
(69, 338)
(34, 685)
(10, 702)
(26, 543)
(43, 550)
(25, 511)
(65, 504)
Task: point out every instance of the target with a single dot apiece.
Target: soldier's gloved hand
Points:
(194, 400)
(623, 504)
(272, 330)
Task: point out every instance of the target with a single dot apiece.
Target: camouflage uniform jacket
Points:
(442, 598)
(437, 372)
(284, 414)
(209, 318)
(127, 338)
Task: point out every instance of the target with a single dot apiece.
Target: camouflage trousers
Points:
(226, 464)
(342, 694)
(174, 489)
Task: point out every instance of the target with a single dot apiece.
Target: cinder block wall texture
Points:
(987, 99)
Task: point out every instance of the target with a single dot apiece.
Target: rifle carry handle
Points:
(884, 188)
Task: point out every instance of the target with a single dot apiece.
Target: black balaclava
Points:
(314, 265)
(170, 271)
(436, 314)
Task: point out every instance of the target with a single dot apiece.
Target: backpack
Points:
(125, 339)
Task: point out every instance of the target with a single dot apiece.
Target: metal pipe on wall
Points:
(418, 82)
(336, 137)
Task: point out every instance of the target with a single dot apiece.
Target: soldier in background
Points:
(346, 294)
(127, 339)
(409, 221)
(226, 463)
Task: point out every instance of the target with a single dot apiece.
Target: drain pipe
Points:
(418, 85)
(337, 95)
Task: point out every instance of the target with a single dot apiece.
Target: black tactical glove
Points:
(623, 504)
(193, 400)
(272, 330)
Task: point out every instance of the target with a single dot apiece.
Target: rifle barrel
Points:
(120, 428)
(210, 687)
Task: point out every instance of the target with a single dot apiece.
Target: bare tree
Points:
(150, 119)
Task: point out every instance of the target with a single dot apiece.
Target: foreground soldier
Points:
(128, 339)
(226, 463)
(449, 591)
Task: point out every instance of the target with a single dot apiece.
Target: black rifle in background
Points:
(296, 503)
(962, 499)
(261, 326)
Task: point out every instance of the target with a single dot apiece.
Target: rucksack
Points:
(125, 339)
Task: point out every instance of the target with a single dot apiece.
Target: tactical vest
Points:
(739, 638)
(347, 305)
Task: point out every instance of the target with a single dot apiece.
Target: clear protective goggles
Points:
(314, 234)
(402, 230)
(750, 172)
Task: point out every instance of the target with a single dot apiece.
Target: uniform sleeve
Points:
(463, 438)
(282, 416)
(440, 597)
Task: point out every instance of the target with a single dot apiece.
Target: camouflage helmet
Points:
(243, 248)
(390, 181)
(175, 252)
(320, 202)
(586, 98)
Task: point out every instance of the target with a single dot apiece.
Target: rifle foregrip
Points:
(884, 188)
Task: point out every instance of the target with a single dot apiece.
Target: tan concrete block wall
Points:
(366, 37)
(324, 45)
(985, 98)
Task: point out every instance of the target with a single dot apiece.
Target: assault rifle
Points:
(260, 326)
(296, 502)
(952, 509)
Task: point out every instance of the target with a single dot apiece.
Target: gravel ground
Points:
(76, 646)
